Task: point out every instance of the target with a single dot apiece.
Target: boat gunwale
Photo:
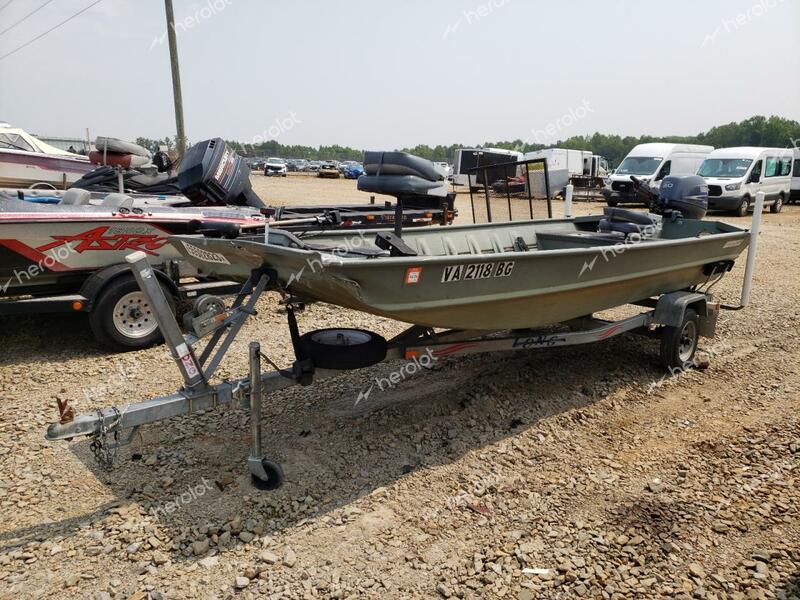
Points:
(358, 262)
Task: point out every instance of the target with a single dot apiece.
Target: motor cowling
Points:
(212, 174)
(686, 194)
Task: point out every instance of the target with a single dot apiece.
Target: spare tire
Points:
(344, 349)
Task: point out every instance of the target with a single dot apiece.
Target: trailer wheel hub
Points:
(688, 340)
(133, 316)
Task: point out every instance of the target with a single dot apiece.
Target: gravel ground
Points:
(577, 472)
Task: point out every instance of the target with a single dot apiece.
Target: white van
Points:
(794, 194)
(651, 163)
(734, 175)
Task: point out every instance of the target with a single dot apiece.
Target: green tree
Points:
(758, 130)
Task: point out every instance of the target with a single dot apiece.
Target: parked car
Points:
(353, 170)
(256, 164)
(511, 185)
(328, 170)
(446, 169)
(344, 164)
(735, 175)
(314, 165)
(650, 163)
(298, 165)
(276, 167)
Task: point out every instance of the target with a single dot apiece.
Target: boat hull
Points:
(20, 169)
(544, 285)
(44, 251)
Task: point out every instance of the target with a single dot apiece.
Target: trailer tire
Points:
(122, 319)
(344, 349)
(678, 344)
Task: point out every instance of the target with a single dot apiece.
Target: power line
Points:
(6, 4)
(30, 14)
(41, 35)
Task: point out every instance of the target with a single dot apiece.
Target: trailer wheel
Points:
(344, 348)
(122, 318)
(678, 344)
(274, 476)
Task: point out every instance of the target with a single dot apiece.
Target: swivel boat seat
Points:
(414, 181)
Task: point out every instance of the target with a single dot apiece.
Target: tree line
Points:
(771, 131)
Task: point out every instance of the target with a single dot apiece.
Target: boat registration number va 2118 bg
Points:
(477, 271)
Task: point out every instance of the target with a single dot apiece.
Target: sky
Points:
(383, 74)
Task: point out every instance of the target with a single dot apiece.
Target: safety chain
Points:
(104, 452)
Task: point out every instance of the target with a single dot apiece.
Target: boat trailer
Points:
(210, 319)
(679, 318)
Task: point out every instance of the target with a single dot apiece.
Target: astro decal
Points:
(477, 271)
(106, 238)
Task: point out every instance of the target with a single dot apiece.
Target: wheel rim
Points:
(687, 342)
(340, 337)
(133, 316)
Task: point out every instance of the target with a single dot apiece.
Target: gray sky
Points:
(384, 74)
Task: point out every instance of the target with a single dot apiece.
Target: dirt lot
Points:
(579, 472)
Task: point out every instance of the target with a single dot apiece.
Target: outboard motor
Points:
(211, 174)
(684, 194)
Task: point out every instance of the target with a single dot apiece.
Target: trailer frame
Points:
(198, 366)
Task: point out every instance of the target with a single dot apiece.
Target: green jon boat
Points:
(482, 277)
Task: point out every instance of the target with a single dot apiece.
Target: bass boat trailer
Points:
(679, 318)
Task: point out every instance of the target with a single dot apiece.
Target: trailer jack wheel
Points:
(265, 474)
(678, 344)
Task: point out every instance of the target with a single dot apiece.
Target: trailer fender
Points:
(671, 308)
(95, 284)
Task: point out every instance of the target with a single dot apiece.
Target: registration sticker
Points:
(413, 275)
(477, 271)
(205, 255)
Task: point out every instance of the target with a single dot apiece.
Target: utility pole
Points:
(176, 79)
